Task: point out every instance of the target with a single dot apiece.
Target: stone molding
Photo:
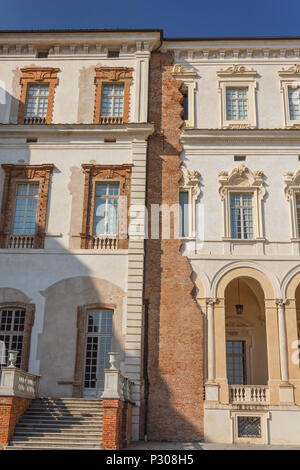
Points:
(180, 72)
(122, 75)
(237, 71)
(13, 175)
(38, 75)
(98, 173)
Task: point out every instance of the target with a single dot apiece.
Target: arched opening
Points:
(246, 348)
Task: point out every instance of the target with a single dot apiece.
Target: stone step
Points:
(57, 420)
(63, 426)
(69, 435)
(52, 446)
(42, 447)
(63, 413)
(56, 440)
(69, 401)
(65, 410)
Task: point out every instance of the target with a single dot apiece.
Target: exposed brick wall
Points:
(175, 358)
(11, 410)
(112, 424)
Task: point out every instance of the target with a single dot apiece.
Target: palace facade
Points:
(100, 129)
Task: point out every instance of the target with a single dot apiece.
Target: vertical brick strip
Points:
(11, 410)
(175, 357)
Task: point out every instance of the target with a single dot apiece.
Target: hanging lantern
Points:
(239, 307)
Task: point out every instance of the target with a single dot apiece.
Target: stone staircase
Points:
(59, 424)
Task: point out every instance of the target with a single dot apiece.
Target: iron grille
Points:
(249, 426)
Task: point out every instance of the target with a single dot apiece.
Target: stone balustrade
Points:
(21, 241)
(249, 394)
(103, 243)
(15, 382)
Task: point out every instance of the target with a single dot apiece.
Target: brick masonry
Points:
(11, 410)
(116, 424)
(175, 357)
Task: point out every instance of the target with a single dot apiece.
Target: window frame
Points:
(19, 182)
(82, 315)
(18, 174)
(237, 76)
(252, 193)
(105, 174)
(189, 84)
(292, 188)
(38, 97)
(242, 180)
(190, 183)
(37, 75)
(289, 78)
(113, 75)
(29, 321)
(107, 182)
(285, 86)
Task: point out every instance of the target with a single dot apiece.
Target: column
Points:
(211, 387)
(286, 390)
(282, 339)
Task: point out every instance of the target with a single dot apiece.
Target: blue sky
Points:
(184, 18)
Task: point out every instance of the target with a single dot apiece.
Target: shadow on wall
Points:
(63, 285)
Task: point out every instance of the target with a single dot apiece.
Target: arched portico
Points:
(263, 307)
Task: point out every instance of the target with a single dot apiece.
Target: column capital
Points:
(281, 302)
(212, 301)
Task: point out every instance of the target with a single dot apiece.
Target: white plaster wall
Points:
(66, 99)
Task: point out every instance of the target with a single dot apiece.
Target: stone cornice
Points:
(201, 135)
(95, 130)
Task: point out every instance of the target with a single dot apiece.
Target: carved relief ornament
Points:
(241, 177)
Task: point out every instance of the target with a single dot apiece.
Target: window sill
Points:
(244, 240)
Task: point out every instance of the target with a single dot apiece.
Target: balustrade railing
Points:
(34, 120)
(21, 241)
(18, 383)
(103, 243)
(111, 120)
(249, 394)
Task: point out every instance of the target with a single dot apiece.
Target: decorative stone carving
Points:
(14, 174)
(293, 70)
(112, 74)
(182, 72)
(236, 70)
(94, 173)
(241, 179)
(47, 75)
(190, 180)
(292, 182)
(190, 183)
(241, 176)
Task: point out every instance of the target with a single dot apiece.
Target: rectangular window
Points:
(249, 426)
(294, 103)
(112, 102)
(37, 100)
(106, 209)
(235, 362)
(183, 214)
(241, 214)
(12, 325)
(25, 209)
(185, 104)
(98, 344)
(236, 104)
